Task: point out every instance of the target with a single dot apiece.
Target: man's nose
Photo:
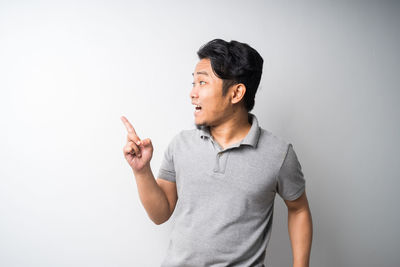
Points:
(193, 93)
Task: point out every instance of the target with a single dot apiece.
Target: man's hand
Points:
(137, 152)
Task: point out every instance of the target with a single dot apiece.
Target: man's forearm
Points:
(152, 196)
(300, 232)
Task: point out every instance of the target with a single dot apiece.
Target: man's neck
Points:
(232, 130)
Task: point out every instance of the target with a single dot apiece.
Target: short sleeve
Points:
(290, 181)
(167, 168)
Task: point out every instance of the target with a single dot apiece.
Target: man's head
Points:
(226, 80)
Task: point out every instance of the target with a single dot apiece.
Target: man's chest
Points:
(240, 176)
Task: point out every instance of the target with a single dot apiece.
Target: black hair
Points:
(234, 63)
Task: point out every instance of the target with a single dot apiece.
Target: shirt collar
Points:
(251, 137)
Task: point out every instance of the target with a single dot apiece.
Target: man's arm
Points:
(158, 197)
(300, 230)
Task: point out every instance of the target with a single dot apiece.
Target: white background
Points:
(70, 69)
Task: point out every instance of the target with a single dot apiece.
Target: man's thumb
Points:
(147, 141)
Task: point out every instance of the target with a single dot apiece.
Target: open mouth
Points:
(197, 108)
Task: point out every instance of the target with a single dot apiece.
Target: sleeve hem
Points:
(296, 195)
(165, 175)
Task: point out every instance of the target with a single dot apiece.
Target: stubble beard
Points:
(201, 125)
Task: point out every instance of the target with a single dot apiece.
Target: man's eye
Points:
(201, 83)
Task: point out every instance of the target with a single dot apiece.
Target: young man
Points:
(220, 179)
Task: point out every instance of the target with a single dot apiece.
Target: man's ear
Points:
(238, 92)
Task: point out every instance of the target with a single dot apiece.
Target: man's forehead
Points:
(203, 67)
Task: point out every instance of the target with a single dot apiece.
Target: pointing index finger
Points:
(128, 125)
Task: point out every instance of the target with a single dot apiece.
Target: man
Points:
(220, 179)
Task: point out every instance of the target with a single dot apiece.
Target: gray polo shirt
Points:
(224, 212)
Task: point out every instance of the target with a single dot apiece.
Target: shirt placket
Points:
(221, 158)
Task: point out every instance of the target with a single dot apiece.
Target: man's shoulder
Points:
(188, 133)
(269, 139)
(185, 135)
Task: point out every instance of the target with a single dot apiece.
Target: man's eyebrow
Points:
(201, 72)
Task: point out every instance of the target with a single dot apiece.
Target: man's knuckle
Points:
(132, 137)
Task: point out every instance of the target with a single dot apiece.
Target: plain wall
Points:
(69, 70)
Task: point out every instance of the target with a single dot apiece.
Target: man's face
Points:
(207, 92)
